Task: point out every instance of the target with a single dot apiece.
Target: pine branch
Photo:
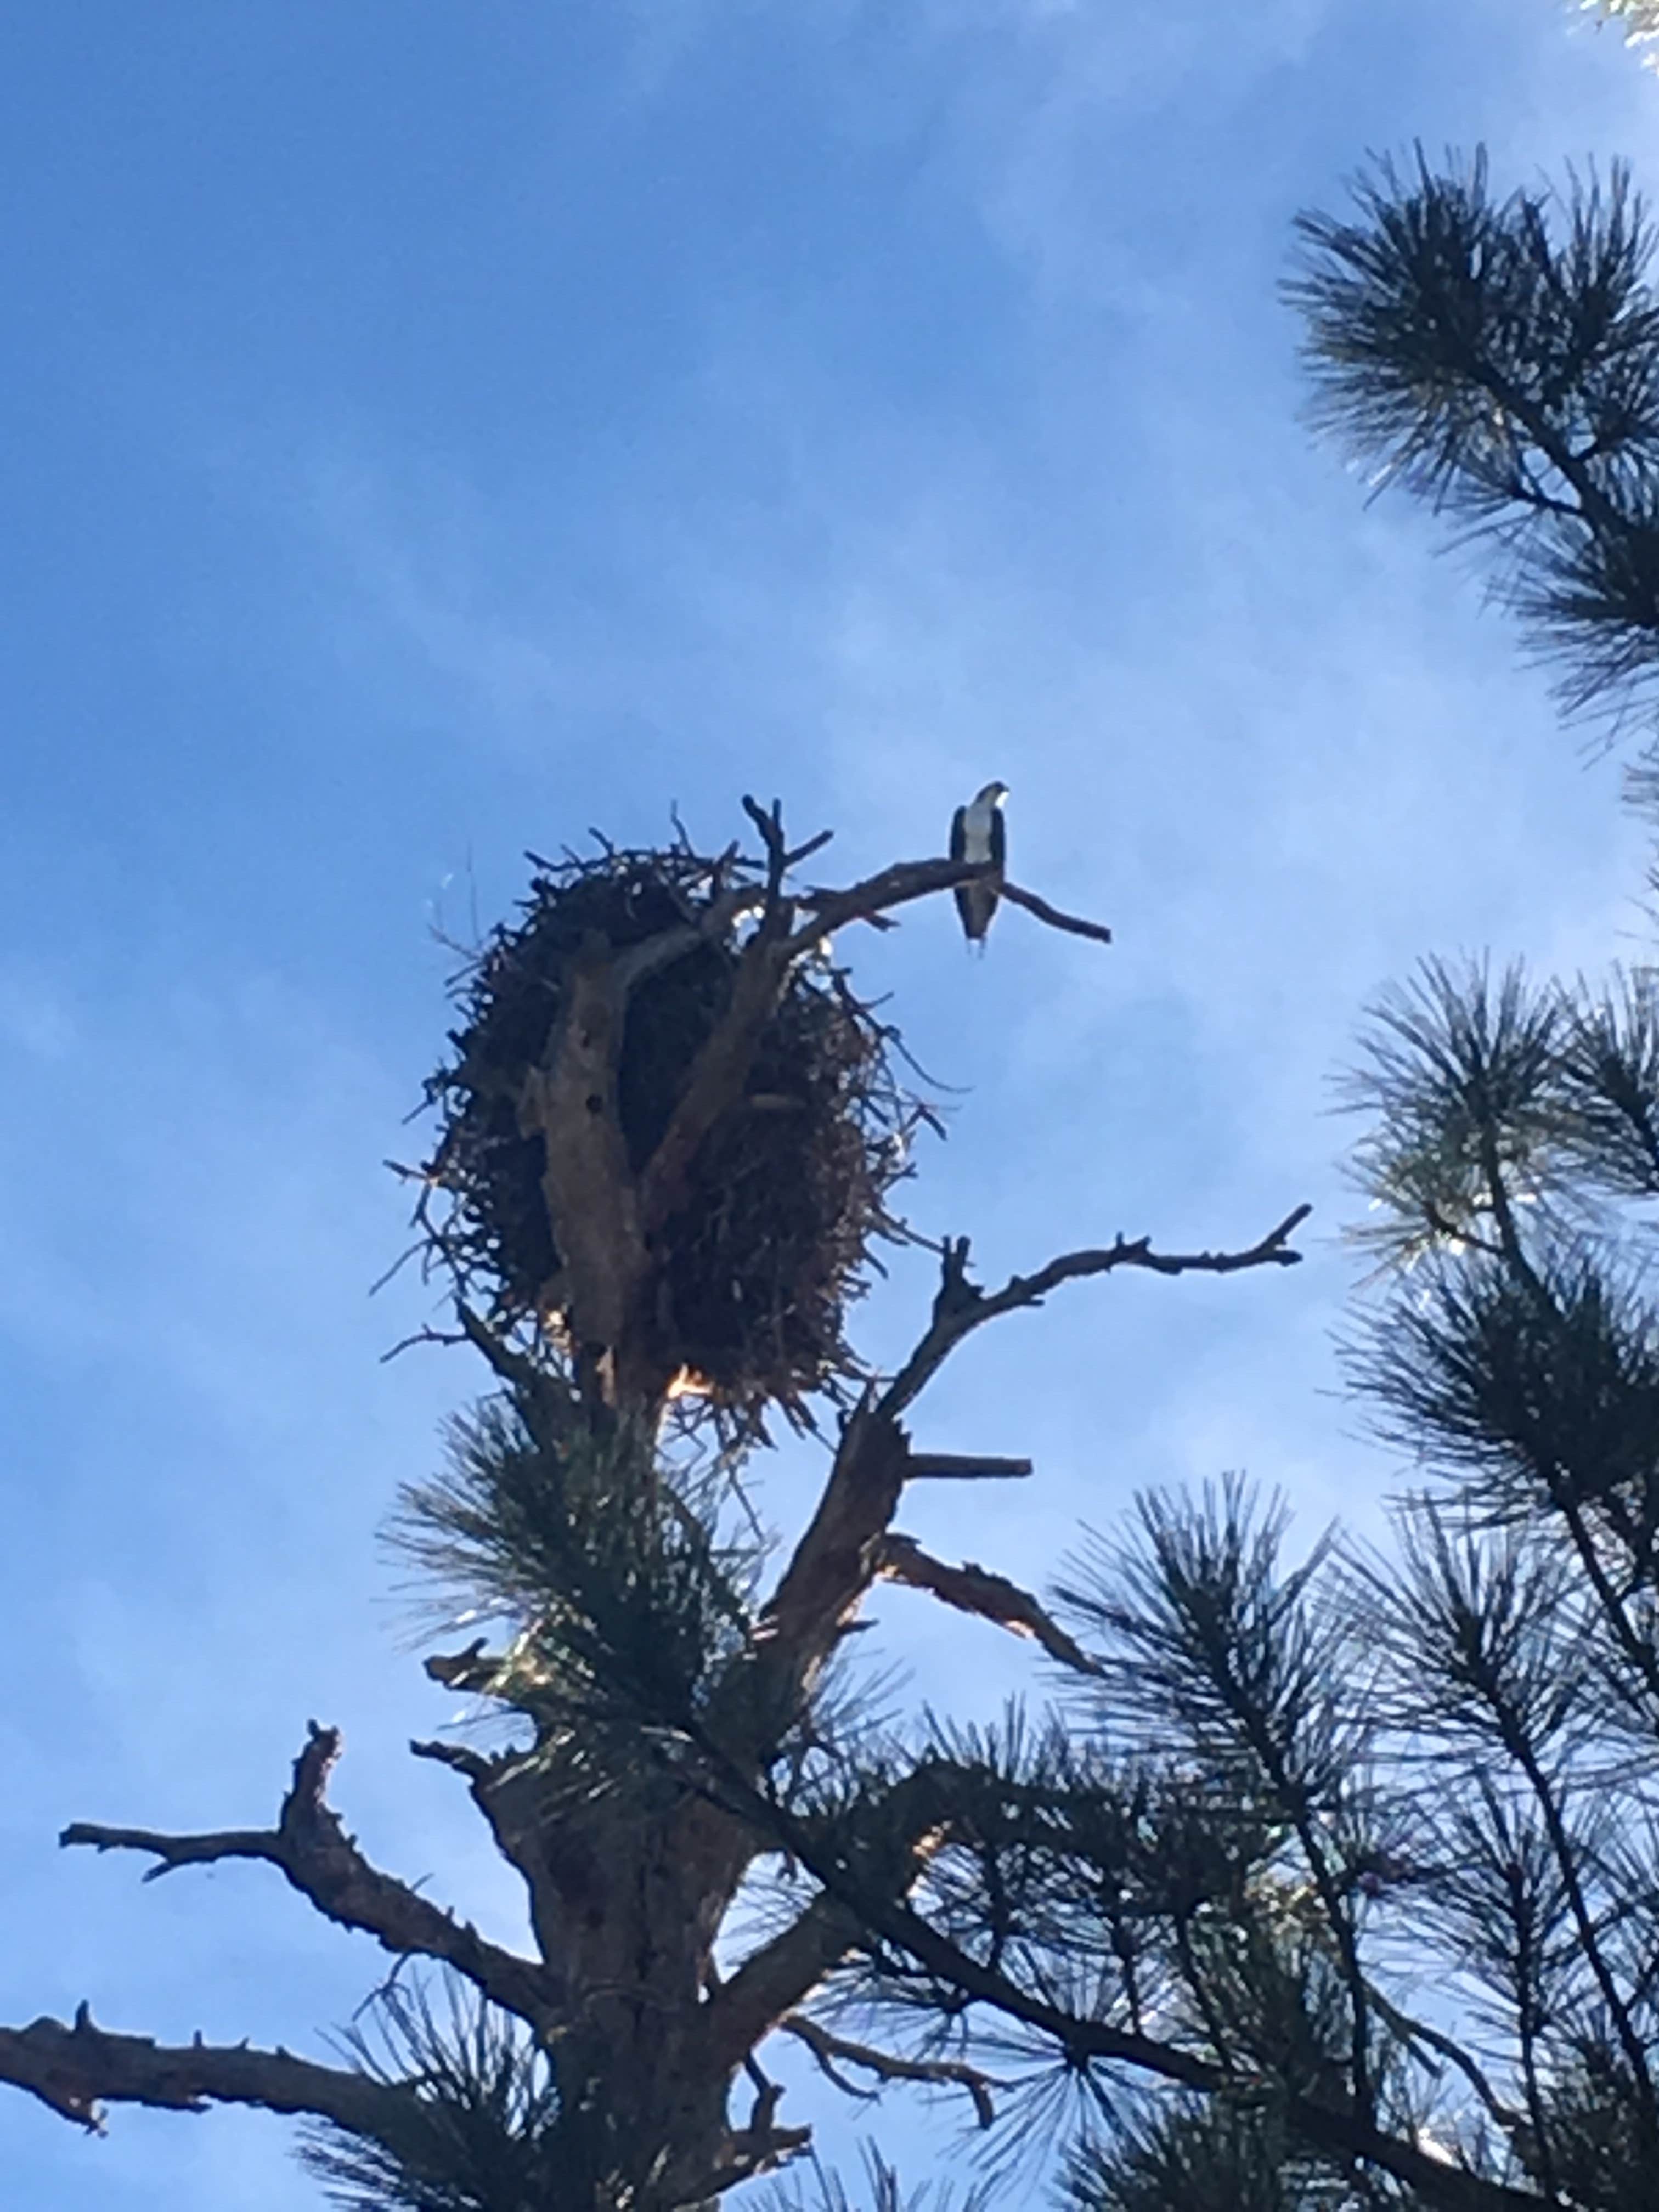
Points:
(753, 2001)
(909, 1821)
(312, 1850)
(1337, 2132)
(75, 2070)
(975, 1590)
(1501, 359)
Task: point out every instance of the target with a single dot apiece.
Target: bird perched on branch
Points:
(977, 834)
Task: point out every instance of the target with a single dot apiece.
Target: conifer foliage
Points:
(1500, 356)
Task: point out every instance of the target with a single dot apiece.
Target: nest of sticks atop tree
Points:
(753, 1273)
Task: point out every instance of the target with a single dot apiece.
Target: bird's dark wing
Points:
(968, 908)
(959, 836)
(998, 840)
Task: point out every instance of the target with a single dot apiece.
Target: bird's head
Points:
(993, 794)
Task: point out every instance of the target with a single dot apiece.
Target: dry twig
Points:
(833, 2052)
(312, 1848)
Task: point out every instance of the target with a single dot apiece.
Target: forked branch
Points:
(960, 1306)
(843, 1551)
(311, 1847)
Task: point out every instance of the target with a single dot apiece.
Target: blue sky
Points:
(433, 429)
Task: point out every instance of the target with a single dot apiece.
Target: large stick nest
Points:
(787, 1193)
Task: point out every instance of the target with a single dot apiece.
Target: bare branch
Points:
(718, 1073)
(840, 1554)
(975, 1590)
(460, 1758)
(312, 1850)
(961, 1307)
(535, 1384)
(630, 969)
(477, 1669)
(834, 1562)
(872, 898)
(1040, 906)
(76, 2070)
(963, 1467)
(828, 2049)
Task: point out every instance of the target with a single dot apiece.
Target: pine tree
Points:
(1637, 19)
(1499, 358)
(668, 1132)
(1331, 1881)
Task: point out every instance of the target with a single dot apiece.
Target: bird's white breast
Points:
(977, 831)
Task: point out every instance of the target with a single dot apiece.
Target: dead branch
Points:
(875, 895)
(653, 954)
(813, 845)
(834, 1562)
(828, 2049)
(759, 2147)
(842, 1552)
(964, 1466)
(961, 1307)
(477, 1668)
(537, 1383)
(1040, 906)
(76, 2070)
(972, 1589)
(474, 1765)
(310, 1846)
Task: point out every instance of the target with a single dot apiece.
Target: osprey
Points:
(977, 834)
